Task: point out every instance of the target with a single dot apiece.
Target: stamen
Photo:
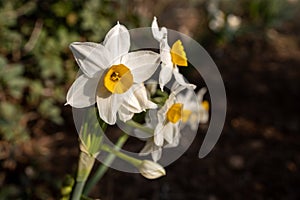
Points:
(115, 76)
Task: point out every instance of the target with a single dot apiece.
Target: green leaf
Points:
(48, 110)
(8, 110)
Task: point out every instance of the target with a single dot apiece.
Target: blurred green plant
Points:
(36, 66)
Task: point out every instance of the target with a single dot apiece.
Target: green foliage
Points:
(91, 133)
(66, 188)
(36, 66)
(9, 192)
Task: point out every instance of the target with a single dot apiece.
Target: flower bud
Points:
(151, 170)
(151, 86)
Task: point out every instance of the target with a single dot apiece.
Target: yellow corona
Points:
(118, 79)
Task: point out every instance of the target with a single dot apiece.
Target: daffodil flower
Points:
(169, 118)
(112, 77)
(166, 125)
(195, 110)
(180, 109)
(171, 58)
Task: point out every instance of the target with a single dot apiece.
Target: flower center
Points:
(178, 55)
(205, 105)
(115, 76)
(174, 113)
(118, 79)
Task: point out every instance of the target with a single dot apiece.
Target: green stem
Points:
(140, 126)
(104, 167)
(135, 162)
(78, 190)
(85, 165)
(88, 147)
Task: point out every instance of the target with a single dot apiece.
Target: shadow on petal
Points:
(101, 89)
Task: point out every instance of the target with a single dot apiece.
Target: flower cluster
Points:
(114, 78)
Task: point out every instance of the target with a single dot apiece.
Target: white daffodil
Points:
(195, 110)
(112, 77)
(166, 125)
(167, 131)
(170, 57)
(187, 108)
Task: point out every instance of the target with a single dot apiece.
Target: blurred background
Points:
(255, 44)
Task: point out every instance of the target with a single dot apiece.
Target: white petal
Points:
(142, 64)
(193, 122)
(92, 58)
(201, 93)
(168, 132)
(140, 94)
(131, 103)
(158, 135)
(165, 54)
(165, 75)
(158, 34)
(179, 78)
(176, 137)
(181, 98)
(124, 114)
(188, 97)
(82, 93)
(204, 116)
(156, 153)
(109, 106)
(161, 113)
(148, 148)
(136, 99)
(151, 118)
(117, 41)
(177, 88)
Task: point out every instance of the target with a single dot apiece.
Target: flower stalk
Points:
(140, 127)
(104, 167)
(134, 161)
(85, 165)
(147, 168)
